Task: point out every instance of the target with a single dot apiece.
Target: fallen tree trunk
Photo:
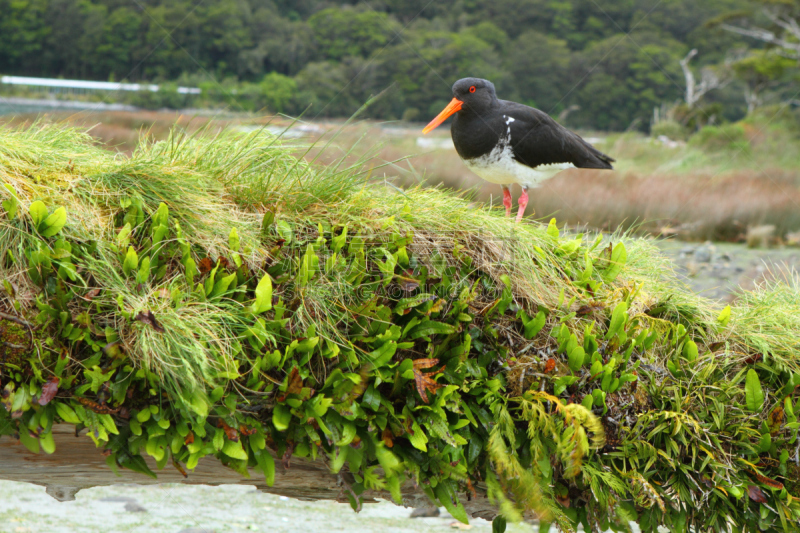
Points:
(77, 464)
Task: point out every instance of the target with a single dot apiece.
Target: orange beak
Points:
(454, 106)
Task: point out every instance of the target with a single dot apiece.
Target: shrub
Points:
(278, 92)
(723, 137)
(670, 129)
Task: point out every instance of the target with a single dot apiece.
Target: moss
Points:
(14, 342)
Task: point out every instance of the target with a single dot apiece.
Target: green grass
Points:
(213, 281)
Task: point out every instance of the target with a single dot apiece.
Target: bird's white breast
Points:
(499, 165)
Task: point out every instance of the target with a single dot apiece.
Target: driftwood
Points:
(77, 464)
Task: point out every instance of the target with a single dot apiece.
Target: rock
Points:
(424, 512)
(760, 236)
(133, 507)
(703, 254)
(793, 238)
(123, 499)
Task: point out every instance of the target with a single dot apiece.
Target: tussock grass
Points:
(215, 181)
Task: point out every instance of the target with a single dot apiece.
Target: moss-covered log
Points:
(214, 296)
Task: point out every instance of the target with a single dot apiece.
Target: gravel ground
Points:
(26, 508)
(718, 271)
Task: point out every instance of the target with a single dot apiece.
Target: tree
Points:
(342, 32)
(22, 33)
(618, 67)
(117, 43)
(709, 81)
(278, 91)
(761, 70)
(783, 31)
(539, 67)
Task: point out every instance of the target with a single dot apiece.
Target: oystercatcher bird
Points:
(505, 142)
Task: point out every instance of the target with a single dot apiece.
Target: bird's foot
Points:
(507, 200)
(523, 203)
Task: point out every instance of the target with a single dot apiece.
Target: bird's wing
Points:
(537, 139)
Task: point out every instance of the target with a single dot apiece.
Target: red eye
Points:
(472, 89)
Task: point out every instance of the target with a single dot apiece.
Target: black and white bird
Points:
(505, 142)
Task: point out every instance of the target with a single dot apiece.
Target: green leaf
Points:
(387, 267)
(499, 524)
(131, 262)
(562, 382)
(348, 434)
(97, 377)
(198, 404)
(618, 319)
(233, 240)
(12, 204)
(111, 426)
(690, 351)
(576, 358)
(383, 355)
(430, 327)
(765, 443)
(218, 441)
(221, 286)
(619, 256)
(267, 465)
(724, 316)
(588, 401)
(137, 464)
(159, 232)
(534, 326)
(417, 438)
(552, 229)
(266, 221)
(263, 300)
(54, 222)
(161, 216)
(144, 270)
(308, 267)
(38, 212)
(338, 242)
(47, 442)
(599, 398)
(285, 231)
(191, 270)
(67, 414)
(234, 449)
(372, 398)
(754, 395)
(446, 496)
(30, 442)
(281, 416)
(409, 303)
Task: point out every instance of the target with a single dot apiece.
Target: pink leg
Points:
(523, 203)
(507, 200)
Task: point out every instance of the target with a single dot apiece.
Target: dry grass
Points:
(688, 191)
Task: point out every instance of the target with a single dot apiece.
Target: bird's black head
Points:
(475, 93)
(469, 95)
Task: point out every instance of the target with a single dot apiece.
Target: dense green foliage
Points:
(615, 60)
(216, 296)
